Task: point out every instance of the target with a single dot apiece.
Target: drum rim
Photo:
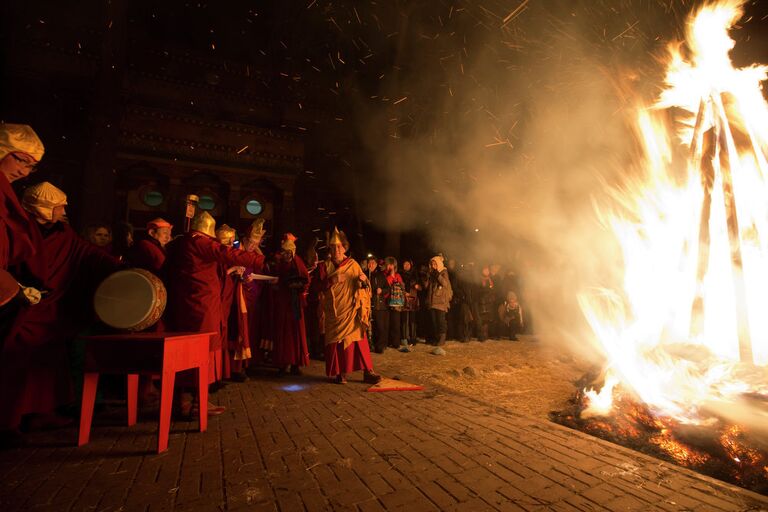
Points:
(149, 278)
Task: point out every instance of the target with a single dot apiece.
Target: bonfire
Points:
(686, 337)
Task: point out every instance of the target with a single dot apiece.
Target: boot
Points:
(441, 341)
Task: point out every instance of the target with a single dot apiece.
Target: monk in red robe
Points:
(20, 151)
(194, 288)
(290, 300)
(257, 300)
(149, 252)
(346, 308)
(234, 317)
(34, 374)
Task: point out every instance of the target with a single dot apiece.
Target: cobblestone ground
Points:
(303, 444)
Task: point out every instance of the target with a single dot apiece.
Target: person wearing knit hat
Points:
(289, 301)
(34, 374)
(439, 294)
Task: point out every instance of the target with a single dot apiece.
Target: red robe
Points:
(290, 299)
(147, 254)
(228, 287)
(194, 287)
(18, 241)
(34, 374)
(257, 301)
(338, 359)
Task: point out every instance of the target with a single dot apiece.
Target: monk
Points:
(149, 252)
(34, 374)
(20, 151)
(260, 341)
(234, 313)
(346, 308)
(194, 288)
(290, 300)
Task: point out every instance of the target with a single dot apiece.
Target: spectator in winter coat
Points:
(395, 301)
(486, 304)
(461, 303)
(511, 316)
(408, 315)
(379, 296)
(439, 293)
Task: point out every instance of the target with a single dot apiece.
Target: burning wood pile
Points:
(686, 336)
(718, 448)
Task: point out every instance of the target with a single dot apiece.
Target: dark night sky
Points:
(394, 70)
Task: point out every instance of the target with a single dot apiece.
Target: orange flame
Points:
(683, 333)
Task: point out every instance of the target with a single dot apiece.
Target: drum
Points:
(132, 300)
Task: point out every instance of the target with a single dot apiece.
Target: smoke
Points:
(506, 160)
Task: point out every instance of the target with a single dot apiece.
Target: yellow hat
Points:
(256, 231)
(42, 198)
(289, 243)
(20, 138)
(225, 234)
(204, 223)
(338, 237)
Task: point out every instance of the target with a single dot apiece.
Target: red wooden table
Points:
(148, 353)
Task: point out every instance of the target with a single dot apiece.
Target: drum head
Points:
(125, 299)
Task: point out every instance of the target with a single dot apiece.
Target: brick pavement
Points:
(317, 446)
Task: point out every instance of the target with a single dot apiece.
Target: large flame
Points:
(688, 334)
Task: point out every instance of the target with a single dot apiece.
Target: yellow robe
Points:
(345, 306)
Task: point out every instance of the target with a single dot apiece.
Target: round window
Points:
(206, 202)
(254, 207)
(152, 197)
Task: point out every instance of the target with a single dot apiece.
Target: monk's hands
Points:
(236, 270)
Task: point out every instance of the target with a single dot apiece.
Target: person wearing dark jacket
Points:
(439, 293)
(453, 314)
(461, 303)
(408, 315)
(379, 294)
(486, 304)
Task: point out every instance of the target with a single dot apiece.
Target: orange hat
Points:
(159, 223)
(289, 243)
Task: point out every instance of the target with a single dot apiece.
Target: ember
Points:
(722, 450)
